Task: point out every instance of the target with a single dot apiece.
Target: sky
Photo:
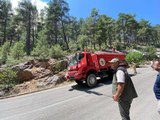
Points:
(39, 3)
(146, 9)
(143, 9)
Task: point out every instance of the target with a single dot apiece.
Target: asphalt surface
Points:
(73, 102)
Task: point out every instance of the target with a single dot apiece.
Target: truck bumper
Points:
(73, 75)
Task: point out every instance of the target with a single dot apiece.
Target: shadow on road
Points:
(88, 90)
(83, 87)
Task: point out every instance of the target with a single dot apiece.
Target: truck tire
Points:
(91, 80)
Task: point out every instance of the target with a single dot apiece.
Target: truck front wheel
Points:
(91, 80)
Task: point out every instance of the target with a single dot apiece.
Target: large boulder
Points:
(40, 72)
(39, 69)
(53, 80)
(22, 66)
(32, 69)
(25, 75)
(43, 64)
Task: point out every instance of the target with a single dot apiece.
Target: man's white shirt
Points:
(120, 76)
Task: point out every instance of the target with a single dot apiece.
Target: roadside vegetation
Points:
(26, 34)
(8, 78)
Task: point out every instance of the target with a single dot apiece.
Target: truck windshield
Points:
(76, 58)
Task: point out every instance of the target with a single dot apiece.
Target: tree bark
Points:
(64, 35)
(28, 34)
(4, 32)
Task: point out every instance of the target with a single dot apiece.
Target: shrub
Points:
(18, 50)
(57, 67)
(4, 52)
(134, 57)
(56, 52)
(7, 78)
(151, 52)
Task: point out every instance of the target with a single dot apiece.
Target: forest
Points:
(52, 32)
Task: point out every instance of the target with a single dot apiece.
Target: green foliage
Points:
(83, 41)
(134, 46)
(7, 78)
(41, 50)
(26, 15)
(73, 46)
(118, 46)
(57, 15)
(11, 61)
(18, 50)
(55, 26)
(134, 57)
(151, 52)
(57, 67)
(4, 52)
(56, 52)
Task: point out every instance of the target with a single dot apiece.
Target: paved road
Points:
(72, 102)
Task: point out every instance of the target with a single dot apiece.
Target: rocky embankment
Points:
(37, 75)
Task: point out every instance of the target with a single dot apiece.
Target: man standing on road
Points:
(122, 88)
(156, 88)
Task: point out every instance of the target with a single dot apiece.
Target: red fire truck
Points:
(86, 66)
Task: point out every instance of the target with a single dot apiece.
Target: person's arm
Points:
(120, 88)
(120, 85)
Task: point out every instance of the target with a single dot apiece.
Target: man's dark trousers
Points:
(124, 108)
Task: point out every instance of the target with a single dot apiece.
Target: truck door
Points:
(82, 60)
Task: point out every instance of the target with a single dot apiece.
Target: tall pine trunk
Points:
(4, 32)
(64, 35)
(28, 43)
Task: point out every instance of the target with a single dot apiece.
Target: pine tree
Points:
(41, 51)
